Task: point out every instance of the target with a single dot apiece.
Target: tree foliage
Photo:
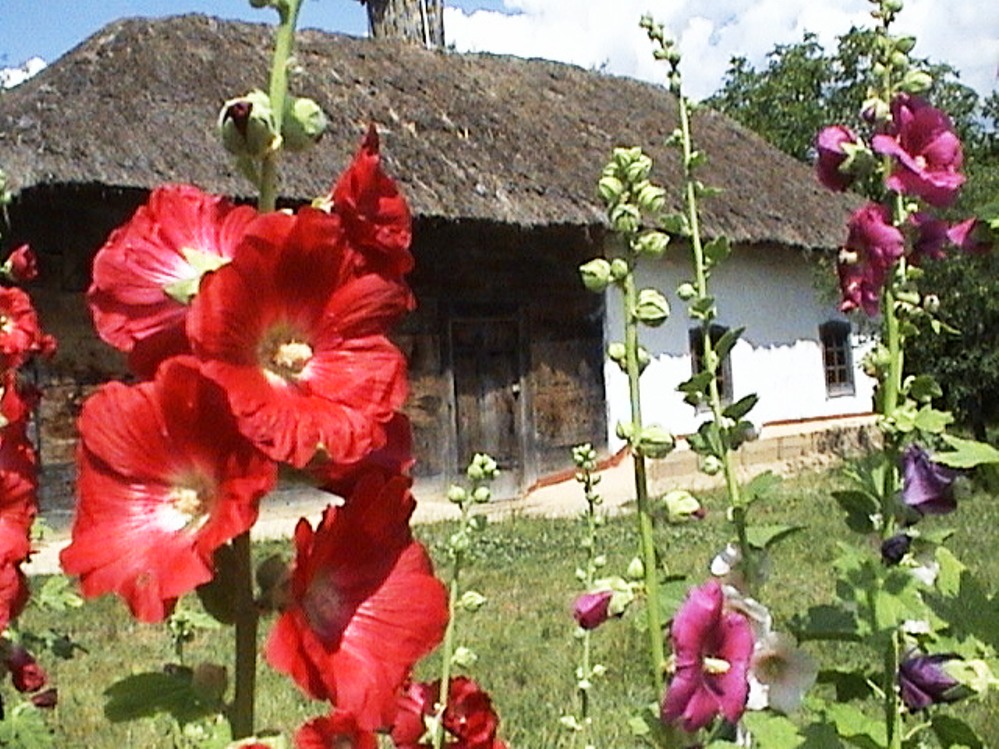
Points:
(803, 87)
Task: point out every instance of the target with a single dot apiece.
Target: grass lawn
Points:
(524, 636)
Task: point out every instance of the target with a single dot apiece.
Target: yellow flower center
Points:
(283, 354)
(189, 504)
(716, 666)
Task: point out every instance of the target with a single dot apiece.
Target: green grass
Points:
(524, 636)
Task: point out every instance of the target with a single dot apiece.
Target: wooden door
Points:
(487, 381)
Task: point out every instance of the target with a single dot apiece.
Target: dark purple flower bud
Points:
(831, 156)
(894, 549)
(928, 487)
(25, 672)
(590, 610)
(924, 681)
(46, 699)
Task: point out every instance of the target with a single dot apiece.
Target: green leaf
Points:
(741, 407)
(952, 732)
(24, 728)
(858, 728)
(703, 308)
(723, 346)
(148, 694)
(828, 622)
(932, 421)
(772, 731)
(717, 250)
(696, 388)
(764, 536)
(57, 594)
(923, 388)
(860, 508)
(849, 685)
(760, 486)
(677, 224)
(966, 453)
(951, 568)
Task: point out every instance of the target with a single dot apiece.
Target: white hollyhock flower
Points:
(779, 674)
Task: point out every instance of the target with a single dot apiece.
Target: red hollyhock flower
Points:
(926, 149)
(712, 648)
(365, 606)
(26, 673)
(872, 246)
(469, 719)
(149, 269)
(297, 340)
(13, 584)
(336, 731)
(375, 215)
(21, 265)
(165, 478)
(18, 475)
(395, 458)
(21, 336)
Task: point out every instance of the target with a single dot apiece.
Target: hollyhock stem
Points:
(447, 648)
(738, 513)
(241, 715)
(278, 91)
(653, 616)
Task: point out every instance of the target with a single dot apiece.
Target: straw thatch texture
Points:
(468, 136)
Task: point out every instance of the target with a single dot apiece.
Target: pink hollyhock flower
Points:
(21, 335)
(336, 731)
(297, 340)
(374, 214)
(712, 648)
(873, 245)
(21, 265)
(926, 150)
(831, 156)
(469, 719)
(165, 478)
(970, 236)
(364, 604)
(150, 268)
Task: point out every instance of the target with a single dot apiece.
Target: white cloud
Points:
(597, 33)
(10, 77)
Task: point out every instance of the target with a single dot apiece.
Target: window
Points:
(724, 373)
(836, 357)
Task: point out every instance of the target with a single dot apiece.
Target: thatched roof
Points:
(469, 136)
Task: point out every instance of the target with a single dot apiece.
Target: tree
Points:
(420, 21)
(803, 88)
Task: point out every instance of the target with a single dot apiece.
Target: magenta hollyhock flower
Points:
(712, 648)
(831, 156)
(928, 487)
(590, 610)
(926, 150)
(970, 236)
(924, 681)
(932, 235)
(873, 244)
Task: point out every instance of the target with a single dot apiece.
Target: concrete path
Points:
(784, 449)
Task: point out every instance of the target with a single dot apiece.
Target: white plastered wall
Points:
(768, 290)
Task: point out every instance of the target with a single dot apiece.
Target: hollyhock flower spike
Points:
(165, 478)
(146, 274)
(364, 604)
(928, 487)
(831, 156)
(298, 341)
(336, 731)
(469, 720)
(926, 150)
(873, 245)
(712, 649)
(374, 213)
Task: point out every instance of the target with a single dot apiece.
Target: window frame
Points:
(837, 358)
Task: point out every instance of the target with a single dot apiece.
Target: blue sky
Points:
(591, 33)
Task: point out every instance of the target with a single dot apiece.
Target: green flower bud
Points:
(472, 601)
(652, 244)
(478, 523)
(463, 657)
(596, 274)
(456, 494)
(619, 269)
(899, 61)
(624, 431)
(625, 218)
(247, 127)
(652, 308)
(916, 82)
(711, 464)
(600, 561)
(488, 466)
(931, 303)
(617, 353)
(636, 569)
(686, 291)
(892, 6)
(644, 359)
(905, 44)
(655, 442)
(459, 541)
(610, 188)
(481, 495)
(304, 124)
(651, 198)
